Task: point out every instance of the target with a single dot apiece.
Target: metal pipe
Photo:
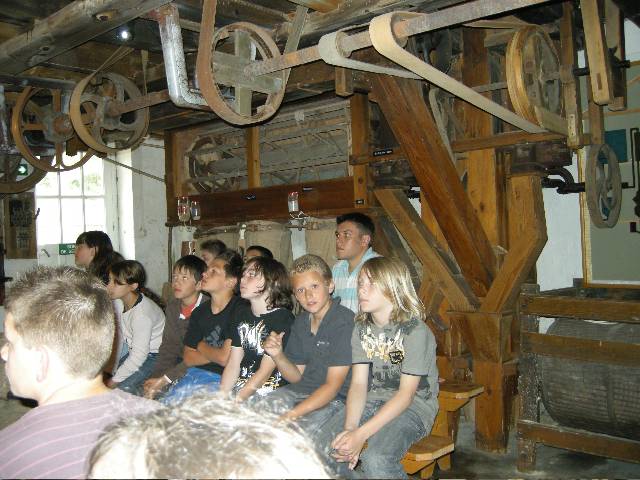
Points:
(67, 28)
(180, 93)
(427, 22)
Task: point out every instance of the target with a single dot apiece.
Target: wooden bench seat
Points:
(438, 445)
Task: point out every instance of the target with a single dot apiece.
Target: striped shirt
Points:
(347, 283)
(55, 441)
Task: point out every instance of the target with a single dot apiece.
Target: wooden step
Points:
(459, 390)
(429, 448)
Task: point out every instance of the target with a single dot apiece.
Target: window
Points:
(71, 202)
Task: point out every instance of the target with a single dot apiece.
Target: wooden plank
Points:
(501, 140)
(596, 309)
(360, 146)
(582, 349)
(403, 106)
(597, 53)
(459, 390)
(570, 86)
(443, 271)
(526, 208)
(318, 199)
(429, 448)
(581, 441)
(252, 146)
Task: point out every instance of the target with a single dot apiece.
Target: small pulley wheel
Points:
(603, 186)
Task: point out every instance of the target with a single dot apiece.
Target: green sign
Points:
(66, 248)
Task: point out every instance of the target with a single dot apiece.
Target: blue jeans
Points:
(319, 425)
(133, 383)
(196, 379)
(385, 449)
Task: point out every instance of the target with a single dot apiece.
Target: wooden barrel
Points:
(597, 397)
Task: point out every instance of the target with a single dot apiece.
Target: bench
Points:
(438, 445)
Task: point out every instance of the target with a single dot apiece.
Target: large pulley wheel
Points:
(41, 127)
(603, 186)
(230, 95)
(98, 117)
(17, 175)
(533, 73)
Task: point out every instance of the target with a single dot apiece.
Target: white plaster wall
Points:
(149, 212)
(561, 259)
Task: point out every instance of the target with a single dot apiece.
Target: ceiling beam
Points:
(67, 28)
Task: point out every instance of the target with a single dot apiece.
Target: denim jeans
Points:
(385, 449)
(319, 425)
(133, 383)
(195, 380)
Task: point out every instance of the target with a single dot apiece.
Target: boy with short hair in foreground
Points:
(317, 358)
(59, 327)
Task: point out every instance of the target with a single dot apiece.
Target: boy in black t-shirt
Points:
(207, 343)
(266, 285)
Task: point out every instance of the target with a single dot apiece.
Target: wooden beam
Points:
(403, 106)
(597, 53)
(501, 140)
(581, 441)
(360, 146)
(576, 307)
(526, 213)
(252, 145)
(443, 271)
(582, 349)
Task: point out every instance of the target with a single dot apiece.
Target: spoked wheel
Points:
(225, 87)
(98, 115)
(41, 128)
(203, 159)
(603, 186)
(533, 73)
(17, 175)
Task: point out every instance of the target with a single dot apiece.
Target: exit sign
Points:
(66, 248)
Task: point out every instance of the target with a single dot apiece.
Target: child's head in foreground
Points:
(205, 437)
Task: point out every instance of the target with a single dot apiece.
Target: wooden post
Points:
(570, 84)
(252, 145)
(597, 53)
(360, 146)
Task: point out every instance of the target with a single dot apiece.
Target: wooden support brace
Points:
(443, 271)
(526, 210)
(403, 106)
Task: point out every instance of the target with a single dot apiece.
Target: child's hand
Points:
(347, 447)
(153, 386)
(273, 344)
